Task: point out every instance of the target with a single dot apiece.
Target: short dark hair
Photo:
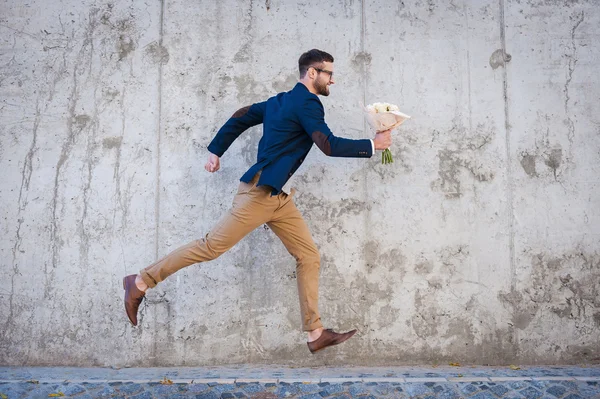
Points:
(312, 58)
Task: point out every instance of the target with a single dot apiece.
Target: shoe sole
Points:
(337, 343)
(124, 287)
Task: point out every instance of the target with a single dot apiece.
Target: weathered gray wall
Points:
(480, 244)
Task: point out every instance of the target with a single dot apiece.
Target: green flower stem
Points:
(386, 157)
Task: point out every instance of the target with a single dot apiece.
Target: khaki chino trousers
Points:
(253, 206)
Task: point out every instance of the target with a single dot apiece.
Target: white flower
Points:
(378, 108)
(384, 116)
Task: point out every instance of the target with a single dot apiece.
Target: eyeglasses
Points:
(330, 73)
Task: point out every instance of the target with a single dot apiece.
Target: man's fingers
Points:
(209, 167)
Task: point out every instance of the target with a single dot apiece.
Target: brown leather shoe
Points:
(133, 297)
(328, 338)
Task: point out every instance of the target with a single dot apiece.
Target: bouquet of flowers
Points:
(385, 116)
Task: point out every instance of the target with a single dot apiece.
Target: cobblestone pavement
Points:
(270, 382)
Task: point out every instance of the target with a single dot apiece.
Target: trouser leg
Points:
(291, 228)
(251, 208)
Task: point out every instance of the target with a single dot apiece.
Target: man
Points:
(292, 122)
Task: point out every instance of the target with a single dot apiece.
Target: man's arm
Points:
(241, 120)
(312, 119)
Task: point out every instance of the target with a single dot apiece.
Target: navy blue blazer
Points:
(292, 122)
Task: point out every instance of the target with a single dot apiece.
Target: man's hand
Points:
(383, 140)
(213, 163)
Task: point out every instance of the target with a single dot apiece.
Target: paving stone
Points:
(165, 389)
(449, 394)
(468, 389)
(197, 388)
(130, 388)
(531, 393)
(382, 389)
(287, 390)
(207, 395)
(221, 388)
(43, 390)
(252, 388)
(311, 396)
(484, 395)
(570, 385)
(15, 391)
(416, 389)
(333, 388)
(556, 391)
(307, 388)
(499, 390)
(358, 389)
(93, 385)
(516, 385)
(105, 392)
(72, 389)
(573, 396)
(588, 391)
(541, 385)
(437, 388)
(143, 395)
(227, 395)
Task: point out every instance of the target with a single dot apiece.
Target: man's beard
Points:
(321, 88)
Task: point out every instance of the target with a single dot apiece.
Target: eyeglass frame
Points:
(330, 73)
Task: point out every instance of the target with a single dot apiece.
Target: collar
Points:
(301, 86)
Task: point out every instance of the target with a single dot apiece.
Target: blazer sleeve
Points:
(312, 119)
(239, 122)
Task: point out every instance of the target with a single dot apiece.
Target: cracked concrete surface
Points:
(479, 244)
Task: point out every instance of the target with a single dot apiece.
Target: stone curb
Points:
(308, 380)
(587, 378)
(507, 379)
(424, 380)
(468, 379)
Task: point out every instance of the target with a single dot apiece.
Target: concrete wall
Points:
(480, 244)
